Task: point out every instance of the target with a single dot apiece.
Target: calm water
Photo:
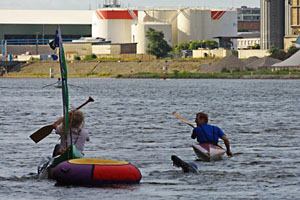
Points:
(132, 120)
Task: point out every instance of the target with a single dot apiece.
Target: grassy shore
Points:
(138, 69)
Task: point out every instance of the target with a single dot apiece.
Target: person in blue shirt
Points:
(206, 133)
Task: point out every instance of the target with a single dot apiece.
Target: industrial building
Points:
(272, 23)
(117, 25)
(280, 23)
(248, 19)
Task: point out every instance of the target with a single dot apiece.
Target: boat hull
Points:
(208, 152)
(96, 172)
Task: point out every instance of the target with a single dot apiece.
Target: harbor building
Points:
(116, 25)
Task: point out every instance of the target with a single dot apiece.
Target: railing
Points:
(37, 42)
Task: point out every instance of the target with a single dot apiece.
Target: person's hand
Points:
(229, 153)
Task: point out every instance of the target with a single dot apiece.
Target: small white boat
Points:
(58, 85)
(208, 152)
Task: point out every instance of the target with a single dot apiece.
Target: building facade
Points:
(248, 19)
(272, 23)
(292, 23)
(115, 24)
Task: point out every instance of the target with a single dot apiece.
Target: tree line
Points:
(160, 48)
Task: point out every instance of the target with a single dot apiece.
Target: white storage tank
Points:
(200, 24)
(167, 16)
(139, 34)
(191, 24)
(113, 24)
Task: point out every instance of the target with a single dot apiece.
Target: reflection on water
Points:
(132, 120)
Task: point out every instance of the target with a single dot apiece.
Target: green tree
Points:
(194, 45)
(210, 44)
(256, 46)
(277, 53)
(182, 46)
(291, 51)
(157, 45)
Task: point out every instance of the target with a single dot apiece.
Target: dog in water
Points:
(186, 167)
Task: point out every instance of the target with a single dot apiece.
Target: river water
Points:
(131, 120)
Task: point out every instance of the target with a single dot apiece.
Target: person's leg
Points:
(55, 150)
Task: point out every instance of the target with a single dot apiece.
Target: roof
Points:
(294, 60)
(250, 35)
(117, 14)
(228, 37)
(8, 16)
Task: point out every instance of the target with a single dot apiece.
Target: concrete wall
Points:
(128, 48)
(106, 49)
(203, 53)
(29, 49)
(81, 49)
(289, 41)
(29, 57)
(114, 48)
(128, 56)
(243, 54)
(247, 43)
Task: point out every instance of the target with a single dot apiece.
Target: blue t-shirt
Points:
(213, 134)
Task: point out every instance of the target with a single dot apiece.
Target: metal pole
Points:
(37, 44)
(5, 47)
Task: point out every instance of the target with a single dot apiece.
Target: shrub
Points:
(90, 57)
(77, 58)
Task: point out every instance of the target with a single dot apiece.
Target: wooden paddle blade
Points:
(182, 119)
(41, 133)
(91, 99)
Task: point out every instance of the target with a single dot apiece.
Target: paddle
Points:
(46, 130)
(181, 118)
(49, 85)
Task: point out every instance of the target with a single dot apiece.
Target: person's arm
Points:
(58, 122)
(227, 144)
(194, 134)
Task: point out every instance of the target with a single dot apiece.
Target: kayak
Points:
(58, 85)
(208, 152)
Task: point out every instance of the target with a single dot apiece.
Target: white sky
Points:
(86, 4)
